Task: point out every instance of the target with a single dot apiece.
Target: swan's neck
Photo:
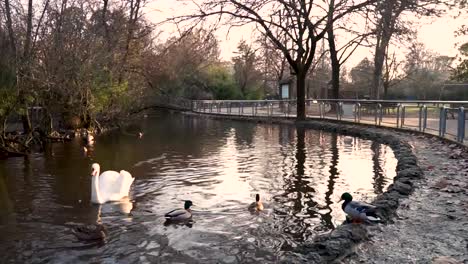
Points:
(95, 194)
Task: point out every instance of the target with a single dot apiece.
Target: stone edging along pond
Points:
(341, 241)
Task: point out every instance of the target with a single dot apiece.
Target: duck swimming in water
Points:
(358, 211)
(257, 205)
(89, 139)
(180, 214)
(92, 232)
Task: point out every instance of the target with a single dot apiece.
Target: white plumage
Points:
(110, 185)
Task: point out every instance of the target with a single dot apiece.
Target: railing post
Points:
(289, 106)
(398, 115)
(359, 112)
(355, 112)
(442, 121)
(403, 114)
(242, 108)
(461, 124)
(337, 110)
(341, 110)
(320, 109)
(378, 114)
(420, 118)
(424, 118)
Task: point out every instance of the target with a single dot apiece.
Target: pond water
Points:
(219, 165)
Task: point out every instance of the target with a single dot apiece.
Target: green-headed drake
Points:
(180, 214)
(257, 205)
(358, 211)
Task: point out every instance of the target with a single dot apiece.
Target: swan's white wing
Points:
(127, 181)
(110, 184)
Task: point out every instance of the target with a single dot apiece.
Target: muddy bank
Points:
(17, 143)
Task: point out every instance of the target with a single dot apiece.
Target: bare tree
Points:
(339, 55)
(23, 51)
(272, 64)
(303, 23)
(245, 68)
(389, 21)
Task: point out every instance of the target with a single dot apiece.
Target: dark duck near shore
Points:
(358, 211)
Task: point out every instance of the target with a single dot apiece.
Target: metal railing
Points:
(442, 118)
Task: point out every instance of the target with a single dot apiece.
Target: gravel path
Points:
(432, 224)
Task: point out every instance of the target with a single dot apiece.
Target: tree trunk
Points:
(27, 44)
(384, 34)
(24, 71)
(134, 13)
(385, 90)
(300, 88)
(335, 64)
(378, 67)
(10, 27)
(27, 127)
(104, 22)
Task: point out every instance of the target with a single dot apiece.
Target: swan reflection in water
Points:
(122, 207)
(97, 232)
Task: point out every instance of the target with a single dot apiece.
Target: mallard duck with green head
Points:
(358, 211)
(180, 214)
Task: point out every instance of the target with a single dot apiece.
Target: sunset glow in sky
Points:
(438, 34)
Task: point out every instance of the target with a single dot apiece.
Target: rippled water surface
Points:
(219, 165)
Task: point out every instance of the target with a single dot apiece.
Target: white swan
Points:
(110, 185)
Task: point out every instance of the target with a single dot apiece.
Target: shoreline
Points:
(342, 243)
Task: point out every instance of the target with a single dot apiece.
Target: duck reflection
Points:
(187, 223)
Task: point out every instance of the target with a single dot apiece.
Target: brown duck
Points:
(90, 232)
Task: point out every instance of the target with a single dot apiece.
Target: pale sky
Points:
(436, 33)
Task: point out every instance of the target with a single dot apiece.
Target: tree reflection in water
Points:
(334, 174)
(298, 194)
(379, 177)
